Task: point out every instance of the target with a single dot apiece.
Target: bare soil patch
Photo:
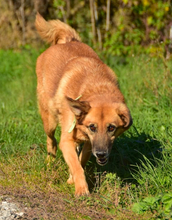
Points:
(51, 205)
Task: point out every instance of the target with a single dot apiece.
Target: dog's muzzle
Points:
(101, 158)
(102, 162)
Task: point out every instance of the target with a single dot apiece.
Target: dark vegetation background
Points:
(119, 27)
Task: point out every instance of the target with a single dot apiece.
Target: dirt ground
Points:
(51, 206)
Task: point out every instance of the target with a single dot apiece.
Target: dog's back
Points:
(66, 45)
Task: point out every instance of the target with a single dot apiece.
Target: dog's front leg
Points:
(68, 149)
(85, 153)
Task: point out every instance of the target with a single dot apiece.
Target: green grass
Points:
(135, 184)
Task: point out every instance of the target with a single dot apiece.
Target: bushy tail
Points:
(55, 31)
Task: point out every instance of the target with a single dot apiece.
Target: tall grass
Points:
(140, 164)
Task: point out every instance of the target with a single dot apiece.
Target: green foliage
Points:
(133, 25)
(137, 24)
(160, 205)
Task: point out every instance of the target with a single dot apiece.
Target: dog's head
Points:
(101, 123)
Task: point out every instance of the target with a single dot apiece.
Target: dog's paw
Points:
(82, 191)
(70, 180)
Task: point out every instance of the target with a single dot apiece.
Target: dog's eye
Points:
(111, 128)
(92, 128)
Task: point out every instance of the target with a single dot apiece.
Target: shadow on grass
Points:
(127, 153)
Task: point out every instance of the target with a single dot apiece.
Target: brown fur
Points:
(74, 84)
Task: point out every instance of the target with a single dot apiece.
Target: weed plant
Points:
(135, 184)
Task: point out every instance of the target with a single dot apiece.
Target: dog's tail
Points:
(55, 31)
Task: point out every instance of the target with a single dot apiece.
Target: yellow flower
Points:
(166, 8)
(145, 2)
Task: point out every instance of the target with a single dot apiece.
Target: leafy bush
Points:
(123, 27)
(160, 205)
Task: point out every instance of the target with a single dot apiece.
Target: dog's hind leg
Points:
(50, 124)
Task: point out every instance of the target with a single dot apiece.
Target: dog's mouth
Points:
(102, 161)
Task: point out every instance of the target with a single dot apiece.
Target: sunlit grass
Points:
(140, 164)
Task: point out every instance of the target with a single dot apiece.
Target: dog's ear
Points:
(127, 119)
(125, 115)
(78, 107)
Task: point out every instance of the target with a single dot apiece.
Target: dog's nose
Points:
(101, 155)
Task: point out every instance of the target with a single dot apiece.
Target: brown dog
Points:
(78, 91)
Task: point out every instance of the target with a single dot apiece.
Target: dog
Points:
(76, 90)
